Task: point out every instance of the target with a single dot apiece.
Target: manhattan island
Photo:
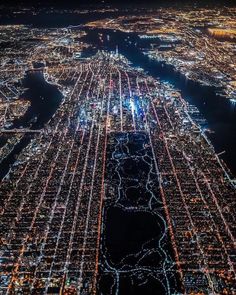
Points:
(120, 144)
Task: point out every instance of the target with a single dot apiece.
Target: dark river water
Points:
(44, 99)
(219, 112)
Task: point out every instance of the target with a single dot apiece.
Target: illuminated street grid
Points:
(52, 200)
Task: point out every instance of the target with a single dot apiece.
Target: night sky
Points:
(79, 3)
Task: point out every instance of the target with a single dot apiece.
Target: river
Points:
(44, 99)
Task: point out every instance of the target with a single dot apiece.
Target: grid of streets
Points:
(52, 200)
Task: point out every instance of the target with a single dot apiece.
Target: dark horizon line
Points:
(115, 3)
